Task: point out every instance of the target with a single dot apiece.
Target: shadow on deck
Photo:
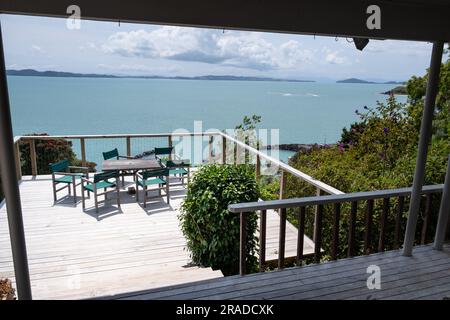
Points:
(425, 275)
(74, 254)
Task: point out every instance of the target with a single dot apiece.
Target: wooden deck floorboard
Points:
(74, 254)
(426, 275)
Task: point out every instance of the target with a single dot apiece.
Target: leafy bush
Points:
(378, 152)
(212, 232)
(49, 151)
(7, 292)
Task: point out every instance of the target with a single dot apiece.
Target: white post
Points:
(425, 135)
(444, 212)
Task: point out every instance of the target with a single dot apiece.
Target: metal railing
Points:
(244, 209)
(128, 139)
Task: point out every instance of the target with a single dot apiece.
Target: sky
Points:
(136, 49)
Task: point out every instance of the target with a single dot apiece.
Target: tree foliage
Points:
(379, 152)
(49, 151)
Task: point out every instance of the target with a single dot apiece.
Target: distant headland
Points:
(35, 73)
(355, 80)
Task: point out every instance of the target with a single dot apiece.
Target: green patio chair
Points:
(61, 174)
(149, 178)
(114, 154)
(177, 167)
(101, 181)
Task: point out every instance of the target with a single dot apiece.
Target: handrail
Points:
(112, 136)
(244, 209)
(283, 166)
(321, 200)
(319, 184)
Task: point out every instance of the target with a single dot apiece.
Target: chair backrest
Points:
(155, 173)
(166, 151)
(111, 154)
(105, 176)
(60, 166)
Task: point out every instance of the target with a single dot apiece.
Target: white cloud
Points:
(234, 48)
(334, 56)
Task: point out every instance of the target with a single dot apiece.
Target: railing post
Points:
(425, 135)
(398, 219)
(33, 158)
(352, 229)
(210, 148)
(17, 159)
(282, 239)
(169, 141)
(368, 227)
(300, 234)
(128, 146)
(335, 241)
(224, 150)
(258, 167)
(427, 218)
(318, 234)
(383, 225)
(262, 240)
(444, 212)
(318, 193)
(243, 243)
(83, 151)
(282, 184)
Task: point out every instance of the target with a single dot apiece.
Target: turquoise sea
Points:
(303, 112)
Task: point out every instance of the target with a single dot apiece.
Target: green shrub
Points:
(7, 291)
(378, 152)
(212, 232)
(49, 151)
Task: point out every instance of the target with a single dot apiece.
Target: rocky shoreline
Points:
(295, 147)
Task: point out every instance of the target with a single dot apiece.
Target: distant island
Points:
(35, 73)
(355, 80)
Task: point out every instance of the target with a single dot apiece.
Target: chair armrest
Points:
(83, 179)
(76, 167)
(126, 157)
(82, 169)
(66, 174)
(138, 175)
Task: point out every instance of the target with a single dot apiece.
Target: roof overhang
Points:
(420, 20)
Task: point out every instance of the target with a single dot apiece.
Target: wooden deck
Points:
(74, 254)
(425, 275)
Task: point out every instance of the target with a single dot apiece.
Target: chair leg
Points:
(68, 189)
(137, 191)
(106, 196)
(145, 196)
(167, 192)
(74, 191)
(96, 200)
(118, 194)
(123, 181)
(54, 191)
(83, 201)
